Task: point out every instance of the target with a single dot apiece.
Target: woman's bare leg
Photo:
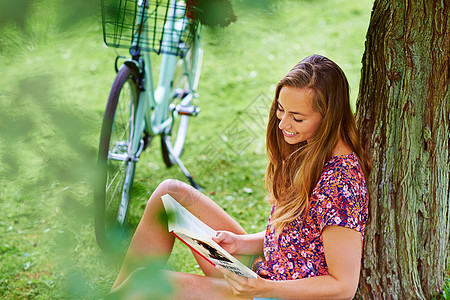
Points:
(152, 238)
(185, 287)
(197, 287)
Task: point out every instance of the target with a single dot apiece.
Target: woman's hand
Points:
(228, 241)
(242, 286)
(240, 244)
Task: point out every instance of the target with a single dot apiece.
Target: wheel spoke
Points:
(111, 196)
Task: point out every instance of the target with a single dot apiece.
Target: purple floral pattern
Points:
(340, 198)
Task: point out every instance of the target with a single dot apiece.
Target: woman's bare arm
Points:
(343, 255)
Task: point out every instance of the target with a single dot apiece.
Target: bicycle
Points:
(136, 112)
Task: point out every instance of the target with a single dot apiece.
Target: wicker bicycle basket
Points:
(140, 24)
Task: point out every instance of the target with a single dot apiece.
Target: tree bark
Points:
(403, 117)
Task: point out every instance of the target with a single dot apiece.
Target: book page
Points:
(212, 252)
(182, 218)
(198, 236)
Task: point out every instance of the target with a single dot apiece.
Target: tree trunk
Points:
(403, 116)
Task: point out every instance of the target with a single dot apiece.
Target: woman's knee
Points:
(185, 194)
(162, 189)
(179, 190)
(167, 186)
(173, 187)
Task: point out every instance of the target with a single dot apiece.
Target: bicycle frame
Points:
(138, 107)
(153, 115)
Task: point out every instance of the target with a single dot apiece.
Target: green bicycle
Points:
(136, 111)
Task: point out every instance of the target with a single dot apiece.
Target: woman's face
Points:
(298, 121)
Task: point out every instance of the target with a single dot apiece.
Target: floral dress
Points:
(340, 198)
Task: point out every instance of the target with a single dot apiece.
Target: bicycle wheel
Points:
(185, 84)
(116, 167)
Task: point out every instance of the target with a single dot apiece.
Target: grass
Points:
(57, 75)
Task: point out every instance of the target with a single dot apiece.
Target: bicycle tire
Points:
(112, 193)
(176, 135)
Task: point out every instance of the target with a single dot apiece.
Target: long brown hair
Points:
(294, 170)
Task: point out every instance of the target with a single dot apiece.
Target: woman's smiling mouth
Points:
(289, 134)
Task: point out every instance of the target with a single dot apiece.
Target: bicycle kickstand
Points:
(181, 165)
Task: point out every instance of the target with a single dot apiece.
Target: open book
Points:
(198, 236)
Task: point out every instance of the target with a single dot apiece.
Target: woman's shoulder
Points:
(342, 168)
(342, 162)
(341, 185)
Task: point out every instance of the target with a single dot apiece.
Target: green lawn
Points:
(56, 75)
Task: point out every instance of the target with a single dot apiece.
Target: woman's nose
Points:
(284, 124)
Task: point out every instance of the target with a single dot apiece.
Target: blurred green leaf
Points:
(76, 11)
(69, 14)
(14, 12)
(147, 282)
(76, 286)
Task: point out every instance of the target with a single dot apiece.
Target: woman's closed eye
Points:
(279, 107)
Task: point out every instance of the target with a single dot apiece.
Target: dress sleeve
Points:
(344, 200)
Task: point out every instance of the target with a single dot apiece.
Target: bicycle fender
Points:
(133, 65)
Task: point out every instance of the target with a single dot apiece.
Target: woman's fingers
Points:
(223, 237)
(234, 280)
(228, 273)
(220, 236)
(227, 240)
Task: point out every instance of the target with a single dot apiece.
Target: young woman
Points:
(316, 184)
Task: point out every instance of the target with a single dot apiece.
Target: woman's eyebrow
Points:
(292, 112)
